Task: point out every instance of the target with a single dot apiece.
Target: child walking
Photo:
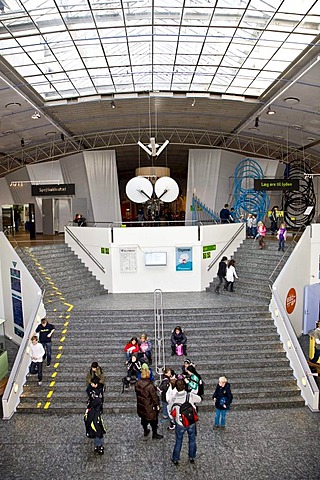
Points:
(282, 236)
(262, 233)
(231, 275)
(222, 398)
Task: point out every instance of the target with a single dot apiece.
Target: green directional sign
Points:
(104, 250)
(209, 248)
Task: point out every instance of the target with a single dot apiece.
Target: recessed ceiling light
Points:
(35, 116)
(12, 106)
(8, 132)
(50, 134)
(315, 121)
(311, 139)
(297, 127)
(291, 100)
(279, 137)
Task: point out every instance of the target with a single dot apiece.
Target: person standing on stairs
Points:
(148, 404)
(262, 234)
(282, 236)
(45, 331)
(96, 371)
(231, 275)
(221, 274)
(36, 354)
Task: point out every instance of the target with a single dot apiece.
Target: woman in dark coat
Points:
(148, 404)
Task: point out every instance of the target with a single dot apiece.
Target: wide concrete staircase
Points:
(63, 274)
(237, 338)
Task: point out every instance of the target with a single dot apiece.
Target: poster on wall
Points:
(128, 260)
(183, 259)
(17, 308)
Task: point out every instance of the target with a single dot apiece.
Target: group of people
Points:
(177, 396)
(40, 348)
(226, 275)
(80, 220)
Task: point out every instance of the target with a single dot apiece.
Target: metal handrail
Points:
(216, 258)
(159, 333)
(93, 258)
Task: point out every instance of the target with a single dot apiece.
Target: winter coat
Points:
(231, 274)
(165, 384)
(178, 339)
(98, 373)
(95, 397)
(134, 347)
(222, 269)
(147, 399)
(94, 423)
(222, 396)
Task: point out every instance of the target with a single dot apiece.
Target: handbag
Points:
(179, 350)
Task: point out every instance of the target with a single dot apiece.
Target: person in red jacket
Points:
(131, 347)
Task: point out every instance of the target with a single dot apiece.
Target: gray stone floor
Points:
(257, 445)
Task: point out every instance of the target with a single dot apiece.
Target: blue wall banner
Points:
(183, 259)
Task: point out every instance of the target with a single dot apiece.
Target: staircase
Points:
(65, 277)
(238, 340)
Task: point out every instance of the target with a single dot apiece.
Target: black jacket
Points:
(222, 269)
(179, 339)
(223, 396)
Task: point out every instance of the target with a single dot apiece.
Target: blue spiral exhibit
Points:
(246, 199)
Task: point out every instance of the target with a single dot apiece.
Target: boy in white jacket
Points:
(36, 353)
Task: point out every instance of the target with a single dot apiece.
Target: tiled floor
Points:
(257, 444)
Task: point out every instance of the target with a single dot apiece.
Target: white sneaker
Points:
(39, 383)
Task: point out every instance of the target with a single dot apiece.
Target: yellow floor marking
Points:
(47, 405)
(60, 316)
(64, 331)
(55, 288)
(59, 355)
(48, 278)
(50, 394)
(70, 306)
(56, 365)
(38, 404)
(38, 264)
(40, 268)
(52, 384)
(54, 374)
(62, 339)
(67, 316)
(66, 324)
(62, 298)
(60, 347)
(51, 283)
(54, 309)
(59, 293)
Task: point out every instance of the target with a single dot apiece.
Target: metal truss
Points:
(249, 146)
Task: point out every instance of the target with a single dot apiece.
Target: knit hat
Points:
(145, 366)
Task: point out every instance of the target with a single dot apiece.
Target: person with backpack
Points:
(163, 388)
(92, 418)
(222, 398)
(182, 408)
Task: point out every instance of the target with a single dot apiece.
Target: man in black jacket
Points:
(46, 330)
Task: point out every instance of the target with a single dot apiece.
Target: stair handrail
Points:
(298, 361)
(80, 244)
(159, 356)
(17, 377)
(227, 245)
(289, 250)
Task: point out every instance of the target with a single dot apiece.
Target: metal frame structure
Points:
(247, 145)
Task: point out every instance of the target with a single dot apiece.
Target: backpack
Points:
(188, 413)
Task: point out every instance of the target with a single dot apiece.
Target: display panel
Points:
(155, 258)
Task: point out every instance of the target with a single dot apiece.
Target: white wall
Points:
(152, 239)
(29, 289)
(296, 274)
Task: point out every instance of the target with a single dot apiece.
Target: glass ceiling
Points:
(71, 48)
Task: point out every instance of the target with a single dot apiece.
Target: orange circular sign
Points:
(291, 300)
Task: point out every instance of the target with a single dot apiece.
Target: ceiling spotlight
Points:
(270, 111)
(256, 122)
(35, 116)
(113, 105)
(291, 100)
(22, 142)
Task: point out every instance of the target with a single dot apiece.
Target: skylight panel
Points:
(298, 6)
(28, 70)
(167, 16)
(159, 59)
(108, 19)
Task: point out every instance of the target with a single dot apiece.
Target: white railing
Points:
(298, 362)
(17, 378)
(159, 356)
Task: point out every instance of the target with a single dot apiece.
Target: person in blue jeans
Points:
(222, 398)
(174, 409)
(45, 331)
